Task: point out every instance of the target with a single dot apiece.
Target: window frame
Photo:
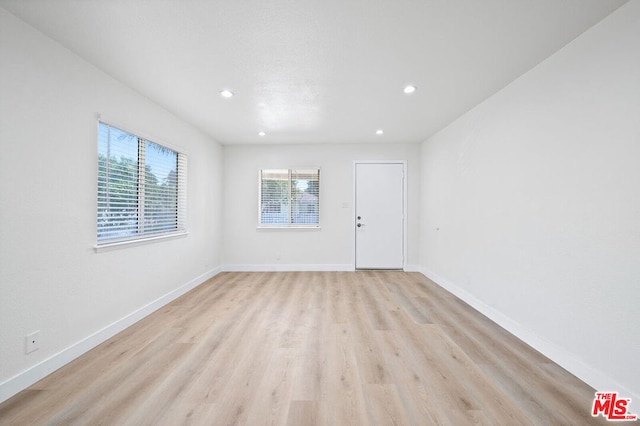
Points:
(142, 236)
(288, 225)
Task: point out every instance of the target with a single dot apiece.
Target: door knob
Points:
(359, 225)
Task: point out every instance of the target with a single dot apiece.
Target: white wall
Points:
(531, 205)
(51, 279)
(331, 247)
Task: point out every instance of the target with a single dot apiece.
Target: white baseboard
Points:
(30, 376)
(413, 268)
(302, 268)
(567, 360)
(288, 268)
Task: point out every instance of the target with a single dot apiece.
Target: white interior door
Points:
(379, 215)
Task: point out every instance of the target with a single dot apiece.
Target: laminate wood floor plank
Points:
(384, 406)
(513, 365)
(98, 404)
(479, 392)
(309, 348)
(274, 393)
(374, 303)
(308, 413)
(311, 380)
(440, 370)
(337, 282)
(344, 385)
(233, 361)
(296, 309)
(371, 362)
(243, 350)
(406, 368)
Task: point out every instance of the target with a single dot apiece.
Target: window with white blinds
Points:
(289, 197)
(141, 187)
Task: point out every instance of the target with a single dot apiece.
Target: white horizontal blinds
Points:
(305, 196)
(289, 197)
(274, 197)
(160, 189)
(182, 192)
(117, 183)
(141, 186)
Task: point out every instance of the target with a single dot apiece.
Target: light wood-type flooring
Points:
(304, 348)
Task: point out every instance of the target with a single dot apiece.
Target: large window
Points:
(141, 187)
(289, 197)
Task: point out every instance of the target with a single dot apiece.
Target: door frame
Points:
(404, 208)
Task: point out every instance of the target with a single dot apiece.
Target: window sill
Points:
(100, 248)
(291, 227)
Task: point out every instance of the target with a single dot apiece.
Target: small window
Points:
(141, 187)
(290, 197)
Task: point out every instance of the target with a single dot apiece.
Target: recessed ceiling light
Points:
(226, 93)
(379, 132)
(261, 133)
(409, 89)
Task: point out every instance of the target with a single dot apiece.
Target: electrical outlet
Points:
(32, 342)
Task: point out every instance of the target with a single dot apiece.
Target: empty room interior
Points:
(319, 212)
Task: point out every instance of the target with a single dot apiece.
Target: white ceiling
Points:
(328, 71)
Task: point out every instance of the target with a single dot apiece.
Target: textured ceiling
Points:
(329, 71)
